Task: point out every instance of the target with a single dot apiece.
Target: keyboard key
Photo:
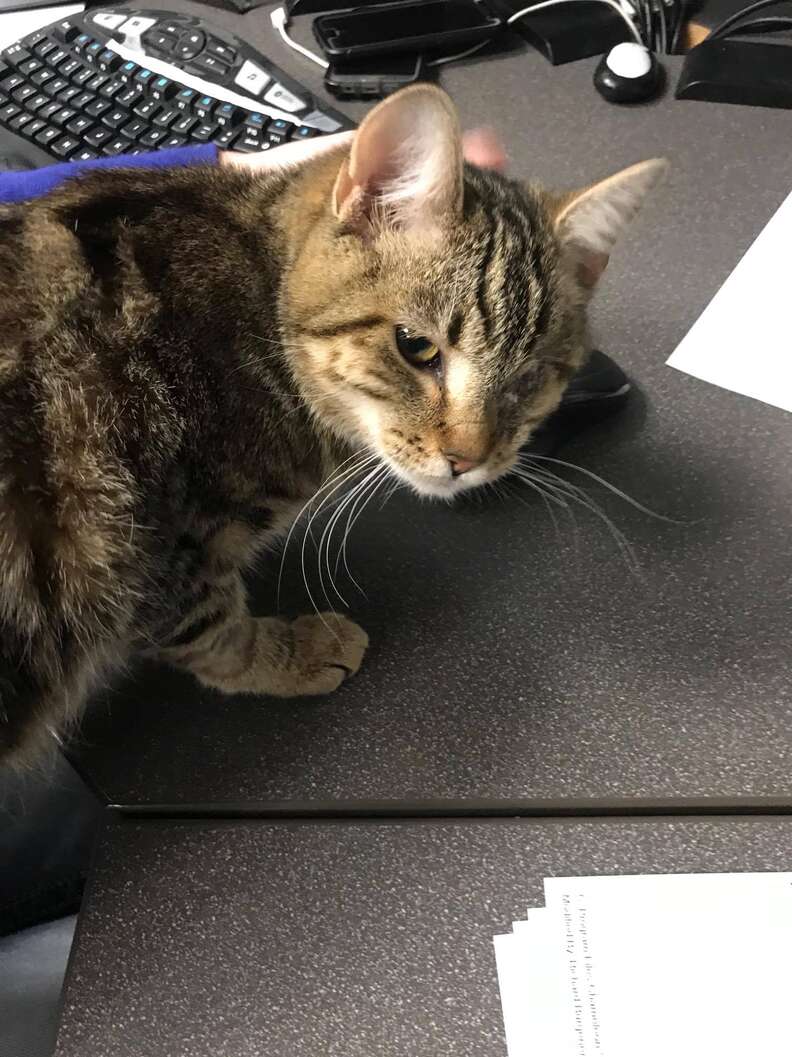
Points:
(29, 66)
(92, 51)
(174, 141)
(65, 146)
(190, 45)
(65, 31)
(108, 60)
(250, 142)
(56, 57)
(204, 107)
(82, 76)
(208, 64)
(142, 77)
(128, 97)
(279, 130)
(152, 137)
(146, 109)
(81, 101)
(203, 133)
(257, 121)
(96, 82)
(60, 84)
(97, 136)
(35, 102)
(17, 122)
(16, 57)
(116, 146)
(112, 88)
(227, 115)
(305, 132)
(128, 71)
(40, 77)
(8, 111)
(32, 127)
(4, 99)
(12, 82)
(224, 137)
(47, 111)
(81, 41)
(116, 118)
(224, 52)
(162, 89)
(284, 99)
(68, 94)
(45, 47)
(23, 93)
(159, 41)
(86, 154)
(64, 115)
(134, 128)
(184, 124)
(185, 98)
(97, 107)
(47, 135)
(79, 125)
(166, 117)
(66, 69)
(109, 20)
(252, 78)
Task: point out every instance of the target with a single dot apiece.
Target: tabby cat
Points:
(185, 356)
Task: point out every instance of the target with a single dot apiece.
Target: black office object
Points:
(373, 78)
(629, 73)
(738, 70)
(122, 82)
(563, 33)
(414, 27)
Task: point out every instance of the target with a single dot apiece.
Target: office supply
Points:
(742, 339)
(682, 964)
(738, 70)
(375, 77)
(732, 66)
(629, 73)
(122, 82)
(413, 27)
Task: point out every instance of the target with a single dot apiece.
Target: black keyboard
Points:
(113, 82)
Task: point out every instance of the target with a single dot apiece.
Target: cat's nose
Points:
(460, 464)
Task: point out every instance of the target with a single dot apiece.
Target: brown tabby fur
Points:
(185, 356)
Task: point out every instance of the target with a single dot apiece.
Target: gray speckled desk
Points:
(344, 939)
(508, 667)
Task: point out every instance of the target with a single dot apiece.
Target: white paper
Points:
(743, 339)
(675, 965)
(16, 24)
(656, 964)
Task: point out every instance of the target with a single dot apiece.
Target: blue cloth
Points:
(30, 183)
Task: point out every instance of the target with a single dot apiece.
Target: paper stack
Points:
(678, 965)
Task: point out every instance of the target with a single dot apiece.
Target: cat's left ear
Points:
(404, 170)
(590, 222)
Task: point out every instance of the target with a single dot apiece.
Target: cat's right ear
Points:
(404, 170)
(590, 222)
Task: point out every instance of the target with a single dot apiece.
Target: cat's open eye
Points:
(417, 350)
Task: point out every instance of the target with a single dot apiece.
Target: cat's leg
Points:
(227, 648)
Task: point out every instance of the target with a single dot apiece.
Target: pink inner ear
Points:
(590, 267)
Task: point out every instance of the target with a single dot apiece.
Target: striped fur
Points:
(186, 356)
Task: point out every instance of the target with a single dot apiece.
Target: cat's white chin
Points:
(445, 487)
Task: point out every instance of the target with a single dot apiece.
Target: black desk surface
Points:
(344, 939)
(506, 666)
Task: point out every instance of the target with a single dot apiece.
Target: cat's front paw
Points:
(327, 649)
